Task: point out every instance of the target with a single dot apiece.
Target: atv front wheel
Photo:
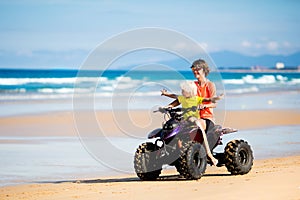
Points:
(145, 164)
(238, 157)
(192, 162)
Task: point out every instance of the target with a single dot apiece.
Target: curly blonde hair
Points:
(189, 87)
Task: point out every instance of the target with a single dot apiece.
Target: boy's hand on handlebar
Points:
(194, 108)
(162, 109)
(164, 92)
(201, 106)
(221, 96)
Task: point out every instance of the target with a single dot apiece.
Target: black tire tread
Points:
(232, 162)
(182, 165)
(142, 157)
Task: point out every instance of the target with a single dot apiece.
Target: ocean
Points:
(55, 90)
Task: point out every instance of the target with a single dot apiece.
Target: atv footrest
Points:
(228, 130)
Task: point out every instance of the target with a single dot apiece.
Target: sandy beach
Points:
(275, 178)
(269, 179)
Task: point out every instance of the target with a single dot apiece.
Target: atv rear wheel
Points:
(238, 157)
(145, 164)
(192, 162)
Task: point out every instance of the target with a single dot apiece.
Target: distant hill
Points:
(73, 59)
(229, 59)
(232, 59)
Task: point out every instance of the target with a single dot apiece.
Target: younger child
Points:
(190, 99)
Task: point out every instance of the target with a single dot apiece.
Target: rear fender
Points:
(195, 135)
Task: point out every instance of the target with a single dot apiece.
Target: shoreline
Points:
(276, 178)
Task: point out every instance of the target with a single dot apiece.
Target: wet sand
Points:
(269, 179)
(137, 122)
(276, 178)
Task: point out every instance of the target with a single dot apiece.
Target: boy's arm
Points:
(210, 105)
(165, 93)
(214, 99)
(173, 104)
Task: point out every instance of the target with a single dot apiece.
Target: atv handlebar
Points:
(176, 113)
(184, 110)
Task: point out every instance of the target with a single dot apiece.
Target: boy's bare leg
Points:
(201, 124)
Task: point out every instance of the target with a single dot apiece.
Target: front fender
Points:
(155, 133)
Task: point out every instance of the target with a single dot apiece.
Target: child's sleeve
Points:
(180, 97)
(200, 100)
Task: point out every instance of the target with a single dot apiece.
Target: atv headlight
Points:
(159, 143)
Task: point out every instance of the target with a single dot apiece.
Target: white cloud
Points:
(266, 46)
(272, 46)
(246, 44)
(286, 44)
(204, 45)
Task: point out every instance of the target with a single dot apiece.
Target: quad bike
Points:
(179, 143)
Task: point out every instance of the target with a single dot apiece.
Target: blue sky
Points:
(61, 26)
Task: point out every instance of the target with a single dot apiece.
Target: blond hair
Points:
(189, 87)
